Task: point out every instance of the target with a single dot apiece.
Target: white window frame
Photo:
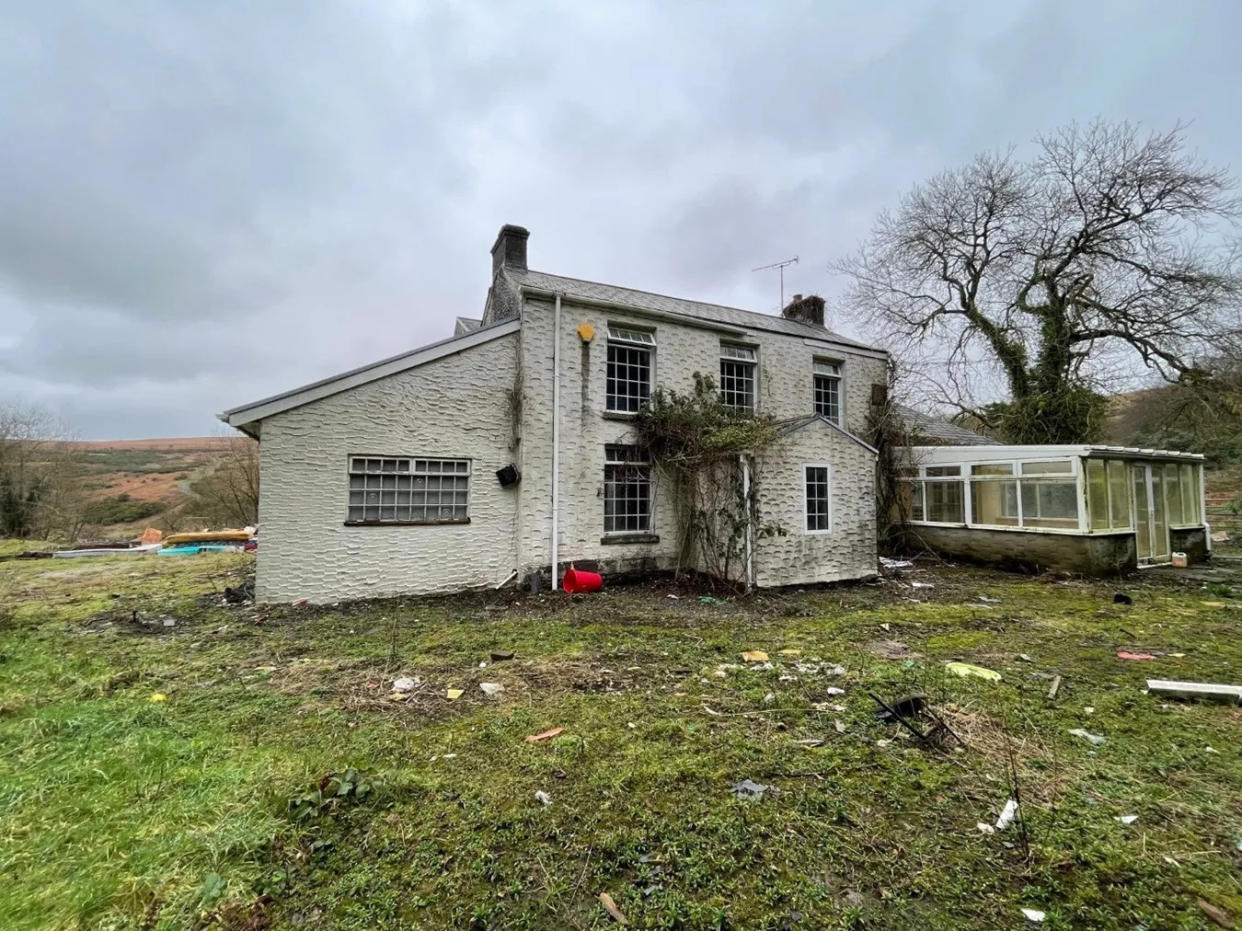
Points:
(743, 355)
(838, 375)
(643, 462)
(806, 501)
(361, 469)
(625, 336)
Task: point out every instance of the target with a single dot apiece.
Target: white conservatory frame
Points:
(918, 461)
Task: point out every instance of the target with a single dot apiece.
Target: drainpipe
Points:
(556, 435)
(749, 559)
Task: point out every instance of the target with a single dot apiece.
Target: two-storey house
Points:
(509, 449)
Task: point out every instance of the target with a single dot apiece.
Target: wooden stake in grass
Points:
(611, 907)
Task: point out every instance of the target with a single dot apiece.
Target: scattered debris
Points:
(890, 649)
(1094, 739)
(769, 698)
(922, 585)
(1127, 819)
(158, 697)
(1215, 913)
(749, 791)
(300, 602)
(1055, 687)
(895, 563)
(988, 600)
(1126, 654)
(1121, 598)
(1034, 914)
(839, 725)
(755, 656)
(810, 742)
(985, 828)
(710, 600)
(833, 690)
(905, 707)
(1008, 813)
(543, 798)
(405, 684)
(907, 710)
(239, 595)
(491, 688)
(500, 657)
(1206, 690)
(1026, 657)
(790, 652)
(968, 669)
(453, 694)
(546, 735)
(611, 908)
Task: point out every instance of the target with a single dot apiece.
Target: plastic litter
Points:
(1095, 739)
(1008, 813)
(754, 656)
(453, 694)
(158, 697)
(969, 669)
(985, 828)
(1126, 654)
(833, 690)
(1231, 694)
(750, 791)
(1034, 914)
(543, 798)
(404, 684)
(895, 563)
(1127, 819)
(491, 688)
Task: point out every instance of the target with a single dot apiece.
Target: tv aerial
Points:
(780, 267)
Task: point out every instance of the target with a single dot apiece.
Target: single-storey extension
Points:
(1089, 509)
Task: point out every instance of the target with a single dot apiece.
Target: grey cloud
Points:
(204, 204)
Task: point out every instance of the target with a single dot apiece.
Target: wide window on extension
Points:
(827, 377)
(627, 489)
(629, 369)
(737, 376)
(408, 491)
(818, 499)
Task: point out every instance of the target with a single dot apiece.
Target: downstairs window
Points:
(408, 491)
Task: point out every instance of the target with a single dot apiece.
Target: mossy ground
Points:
(120, 811)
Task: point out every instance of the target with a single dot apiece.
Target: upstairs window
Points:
(627, 489)
(408, 491)
(737, 377)
(818, 499)
(629, 369)
(827, 378)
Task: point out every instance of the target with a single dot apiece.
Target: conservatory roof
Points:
(951, 454)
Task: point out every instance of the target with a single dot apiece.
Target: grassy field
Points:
(167, 756)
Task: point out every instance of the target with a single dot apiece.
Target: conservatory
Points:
(1089, 509)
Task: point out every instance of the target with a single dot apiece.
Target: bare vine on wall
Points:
(698, 443)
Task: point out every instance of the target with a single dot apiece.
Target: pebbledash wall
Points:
(453, 408)
(848, 549)
(785, 365)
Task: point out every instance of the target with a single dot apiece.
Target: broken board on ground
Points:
(1204, 690)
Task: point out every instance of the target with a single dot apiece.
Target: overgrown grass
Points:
(120, 811)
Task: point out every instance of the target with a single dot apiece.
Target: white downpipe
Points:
(556, 436)
(746, 539)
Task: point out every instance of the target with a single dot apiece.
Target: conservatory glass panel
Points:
(1173, 493)
(1118, 495)
(1049, 504)
(1097, 493)
(994, 502)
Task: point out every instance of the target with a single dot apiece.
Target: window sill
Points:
(619, 415)
(618, 539)
(405, 523)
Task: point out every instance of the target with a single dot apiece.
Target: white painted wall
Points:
(452, 408)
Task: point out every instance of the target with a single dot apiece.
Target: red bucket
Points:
(578, 580)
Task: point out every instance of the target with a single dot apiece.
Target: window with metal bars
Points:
(627, 489)
(827, 377)
(818, 499)
(737, 376)
(629, 369)
(408, 491)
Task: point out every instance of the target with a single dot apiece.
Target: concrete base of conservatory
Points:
(1095, 554)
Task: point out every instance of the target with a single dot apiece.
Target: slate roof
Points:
(716, 313)
(936, 431)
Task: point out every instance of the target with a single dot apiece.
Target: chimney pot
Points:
(510, 248)
(809, 309)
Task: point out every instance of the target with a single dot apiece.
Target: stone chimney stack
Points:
(510, 248)
(809, 309)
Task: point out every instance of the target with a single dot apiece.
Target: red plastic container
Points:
(579, 580)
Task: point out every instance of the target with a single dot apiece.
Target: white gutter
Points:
(556, 436)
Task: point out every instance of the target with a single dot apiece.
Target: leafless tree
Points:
(1109, 246)
(228, 496)
(39, 492)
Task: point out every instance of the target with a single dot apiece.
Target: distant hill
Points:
(133, 483)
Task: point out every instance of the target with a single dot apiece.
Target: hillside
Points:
(130, 484)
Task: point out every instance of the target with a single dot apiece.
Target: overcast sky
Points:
(202, 204)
